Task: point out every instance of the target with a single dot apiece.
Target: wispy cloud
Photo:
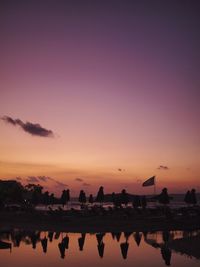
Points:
(29, 127)
(61, 184)
(32, 179)
(86, 184)
(78, 179)
(161, 167)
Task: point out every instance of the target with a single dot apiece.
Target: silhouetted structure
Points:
(136, 202)
(44, 243)
(116, 236)
(116, 200)
(50, 236)
(163, 198)
(65, 197)
(124, 249)
(82, 197)
(127, 235)
(124, 197)
(166, 255)
(193, 197)
(81, 241)
(11, 190)
(100, 237)
(100, 195)
(5, 245)
(46, 199)
(187, 197)
(137, 236)
(143, 202)
(61, 247)
(91, 199)
(101, 249)
(65, 242)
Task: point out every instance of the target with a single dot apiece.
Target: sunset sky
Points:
(115, 83)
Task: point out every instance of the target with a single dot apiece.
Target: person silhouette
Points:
(193, 200)
(187, 197)
(163, 198)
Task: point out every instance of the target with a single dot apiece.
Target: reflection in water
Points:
(166, 242)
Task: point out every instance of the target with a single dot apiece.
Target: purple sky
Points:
(116, 81)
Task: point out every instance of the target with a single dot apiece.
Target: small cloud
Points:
(86, 184)
(121, 170)
(32, 179)
(29, 127)
(44, 178)
(60, 184)
(161, 167)
(79, 180)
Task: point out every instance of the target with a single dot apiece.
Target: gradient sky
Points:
(116, 81)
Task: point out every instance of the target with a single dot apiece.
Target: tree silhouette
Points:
(100, 195)
(46, 199)
(82, 197)
(193, 197)
(124, 197)
(65, 197)
(187, 197)
(116, 199)
(91, 199)
(143, 202)
(136, 202)
(52, 199)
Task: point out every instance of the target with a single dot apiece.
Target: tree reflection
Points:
(187, 242)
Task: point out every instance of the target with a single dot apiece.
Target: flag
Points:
(149, 182)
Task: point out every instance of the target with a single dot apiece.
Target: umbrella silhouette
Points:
(81, 242)
(166, 255)
(124, 249)
(101, 249)
(44, 242)
(137, 236)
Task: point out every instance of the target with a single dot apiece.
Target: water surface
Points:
(26, 248)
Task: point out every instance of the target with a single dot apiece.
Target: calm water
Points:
(108, 249)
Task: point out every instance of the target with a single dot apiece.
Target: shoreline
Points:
(89, 224)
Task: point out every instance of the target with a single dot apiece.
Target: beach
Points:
(80, 221)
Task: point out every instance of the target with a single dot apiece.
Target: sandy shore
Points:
(109, 223)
